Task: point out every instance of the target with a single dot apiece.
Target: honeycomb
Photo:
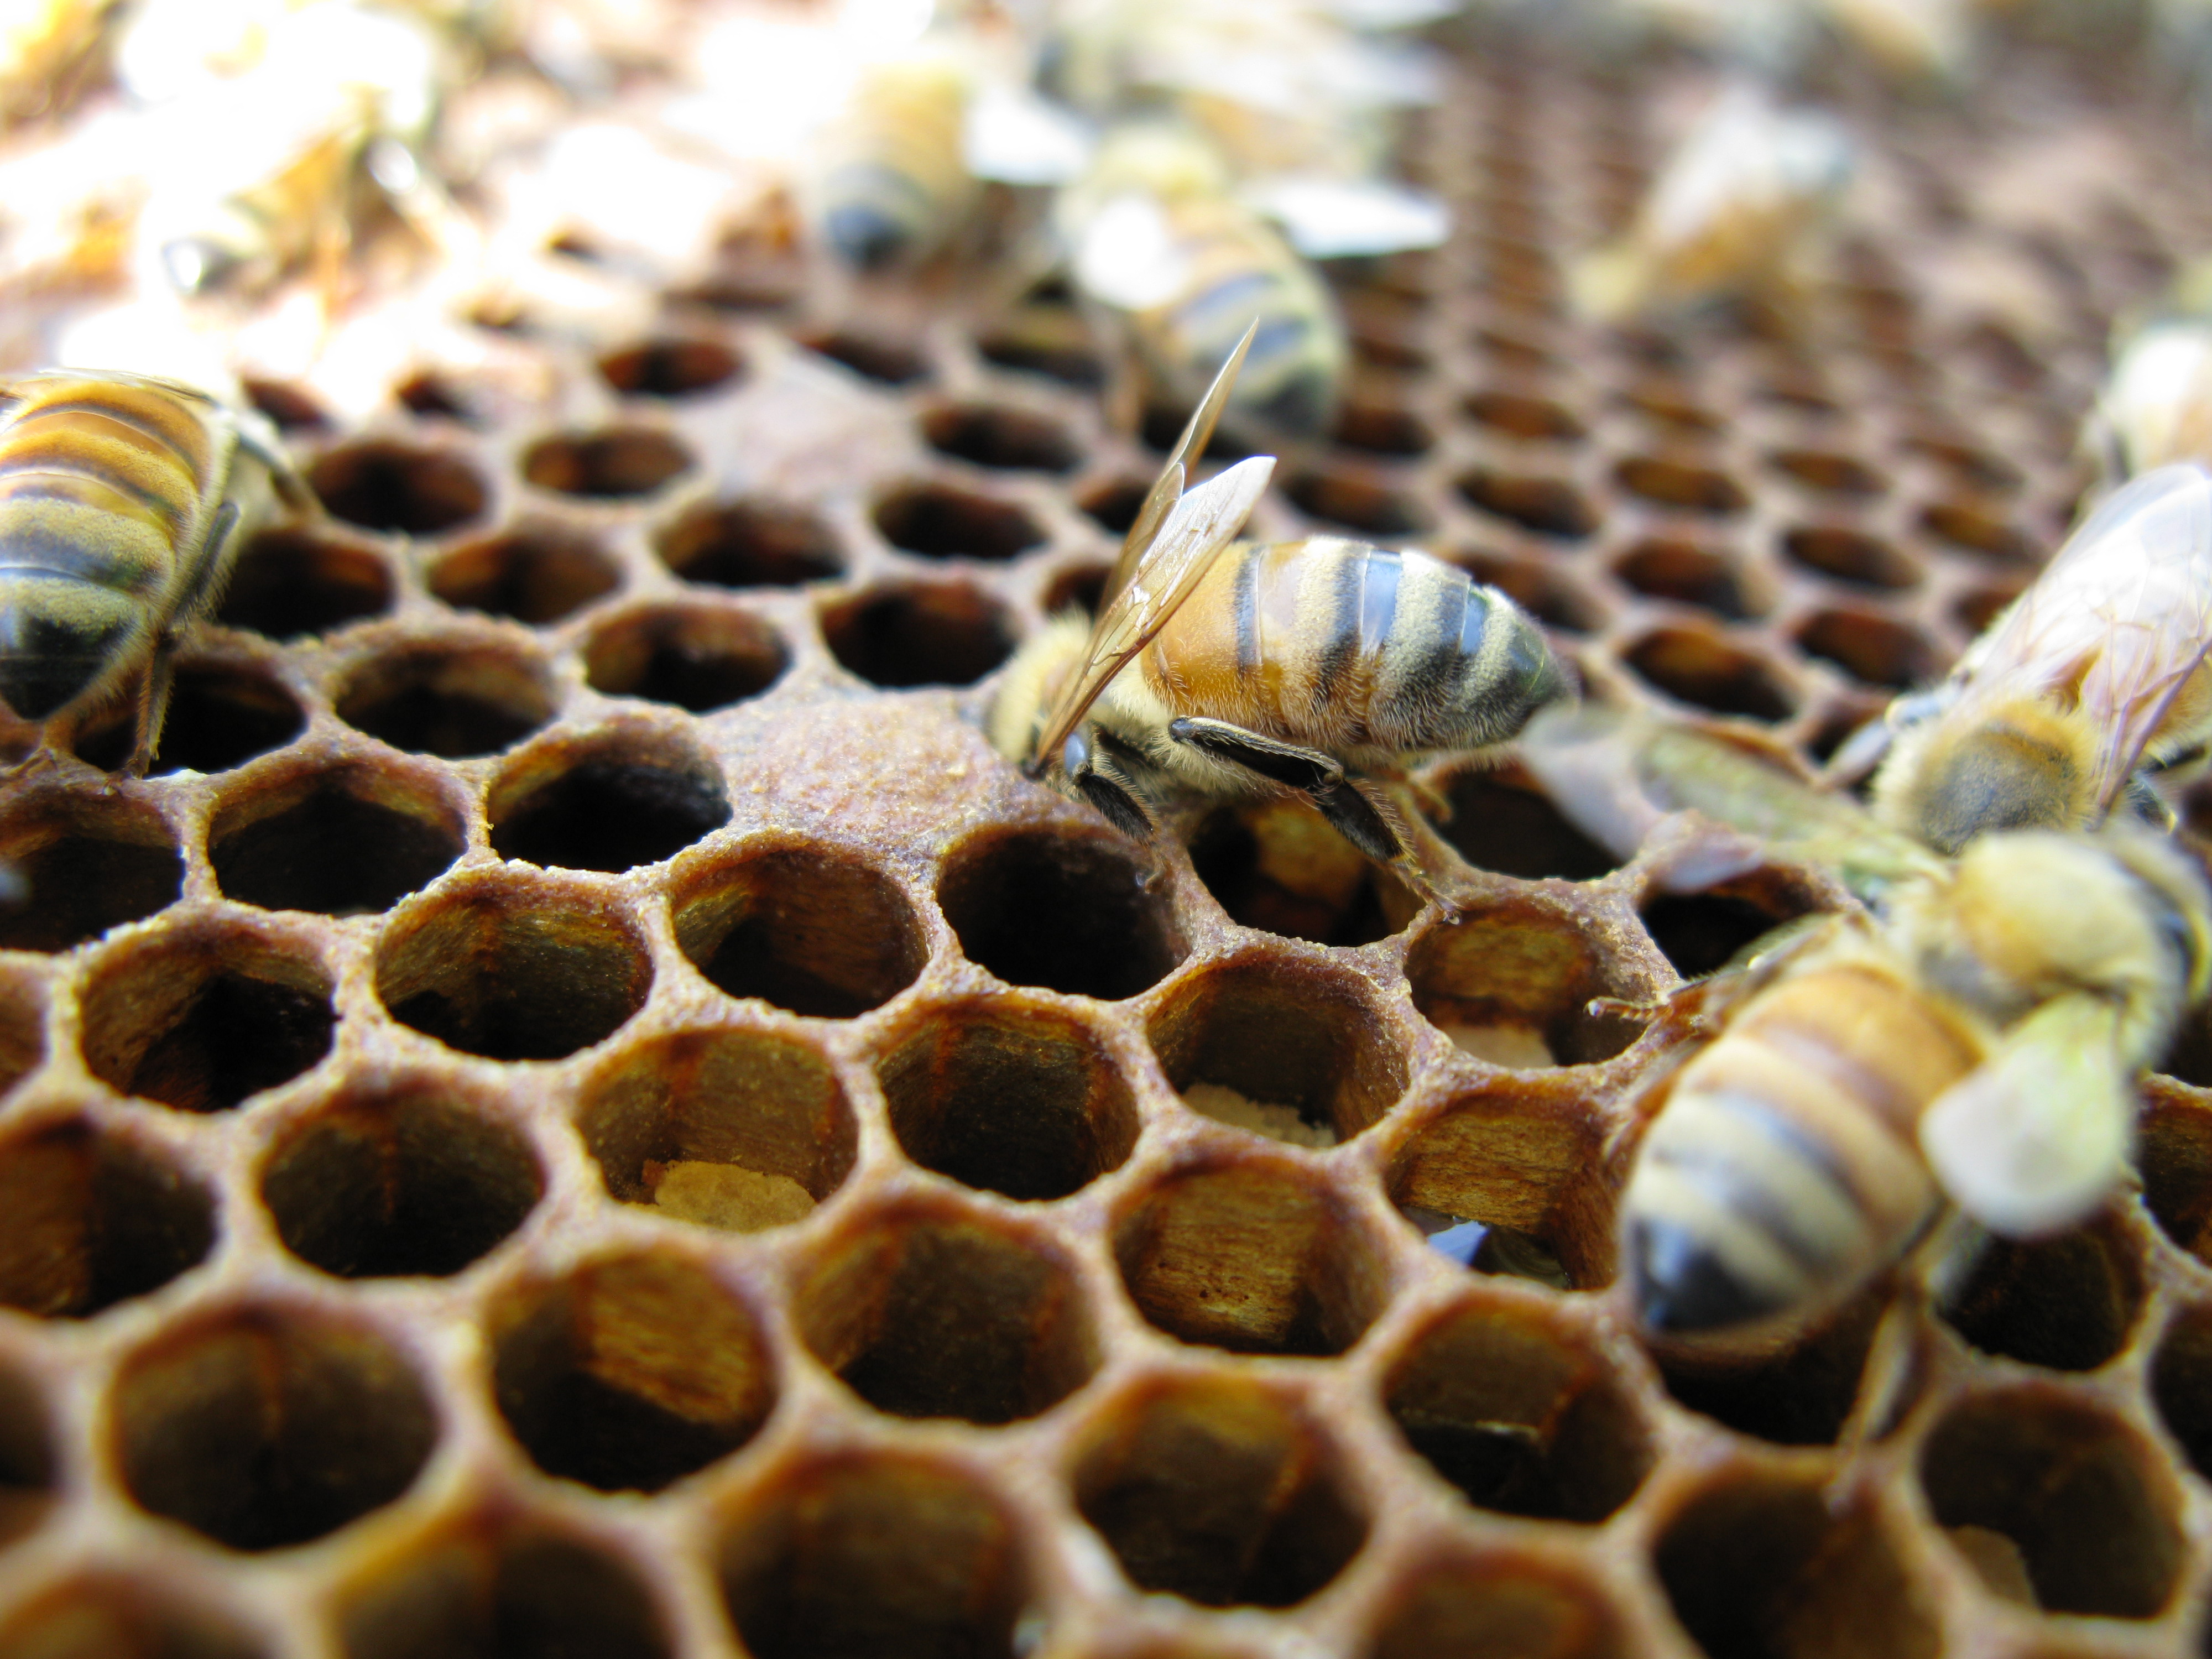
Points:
(583, 1110)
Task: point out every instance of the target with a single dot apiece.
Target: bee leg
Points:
(1102, 777)
(154, 707)
(1320, 777)
(2147, 803)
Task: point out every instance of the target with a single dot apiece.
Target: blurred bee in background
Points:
(2155, 406)
(1293, 667)
(52, 53)
(891, 180)
(122, 500)
(1736, 213)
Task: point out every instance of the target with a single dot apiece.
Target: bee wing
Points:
(1200, 525)
(2035, 1138)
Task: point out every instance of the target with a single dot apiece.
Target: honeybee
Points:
(891, 179)
(1296, 667)
(2156, 403)
(1978, 1043)
(122, 500)
(1737, 211)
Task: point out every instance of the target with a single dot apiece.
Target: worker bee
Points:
(2156, 403)
(891, 180)
(1735, 213)
(1980, 1042)
(122, 500)
(1297, 666)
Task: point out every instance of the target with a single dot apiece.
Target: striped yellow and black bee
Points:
(124, 500)
(1310, 666)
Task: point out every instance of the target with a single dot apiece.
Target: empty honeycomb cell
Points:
(1672, 568)
(1114, 505)
(27, 1464)
(611, 800)
(695, 656)
(1977, 607)
(93, 1221)
(1763, 1567)
(1381, 426)
(1076, 588)
(1024, 1103)
(1277, 865)
(1521, 968)
(290, 408)
(611, 464)
(871, 354)
(2175, 1152)
(200, 1017)
(1500, 822)
(512, 969)
(1496, 1157)
(750, 541)
(1357, 501)
(1518, 415)
(1680, 483)
(1700, 932)
(288, 584)
(1053, 341)
(2091, 1514)
(629, 1372)
(1973, 530)
(452, 698)
(1872, 649)
(222, 716)
(412, 1178)
(671, 367)
(1002, 436)
(22, 1027)
(929, 1313)
(1852, 557)
(816, 932)
(1801, 1395)
(90, 862)
(266, 1426)
(1549, 505)
(918, 634)
(1218, 1490)
(1978, 468)
(1828, 472)
(1247, 1255)
(439, 397)
(113, 1615)
(345, 840)
(502, 1591)
(851, 1554)
(1068, 910)
(1672, 407)
(387, 485)
(1699, 667)
(1515, 349)
(1518, 1418)
(2069, 1302)
(1549, 594)
(2181, 1385)
(537, 573)
(1494, 1605)
(942, 522)
(757, 1103)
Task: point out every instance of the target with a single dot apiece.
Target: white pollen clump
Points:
(1513, 1046)
(1262, 1117)
(728, 1196)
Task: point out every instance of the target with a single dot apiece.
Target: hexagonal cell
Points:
(1381, 426)
(1014, 1101)
(22, 1026)
(1977, 607)
(1971, 530)
(27, 1469)
(612, 463)
(1852, 557)
(1700, 933)
(345, 840)
(814, 932)
(1114, 505)
(1519, 416)
(288, 584)
(266, 1426)
(1763, 1567)
(2181, 1385)
(513, 1591)
(392, 486)
(695, 656)
(1495, 1606)
(872, 355)
(2068, 1302)
(1076, 588)
(1871, 648)
(409, 1179)
(1277, 865)
(2084, 1501)
(918, 634)
(1298, 1046)
(1365, 505)
(1056, 341)
(1678, 483)
(454, 699)
(1548, 506)
(1528, 1167)
(536, 573)
(1671, 406)
(1800, 1396)
(852, 1552)
(112, 1615)
(1545, 593)
(1669, 568)
(672, 365)
(202, 1017)
(93, 1221)
(2175, 1153)
(1978, 468)
(1218, 1490)
(935, 1314)
(1518, 351)
(1067, 910)
(1247, 1255)
(219, 716)
(749, 542)
(91, 862)
(1519, 1418)
(939, 522)
(1499, 823)
(736, 1130)
(290, 408)
(629, 1372)
(610, 802)
(1513, 982)
(1002, 436)
(512, 970)
(1831, 473)
(1701, 668)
